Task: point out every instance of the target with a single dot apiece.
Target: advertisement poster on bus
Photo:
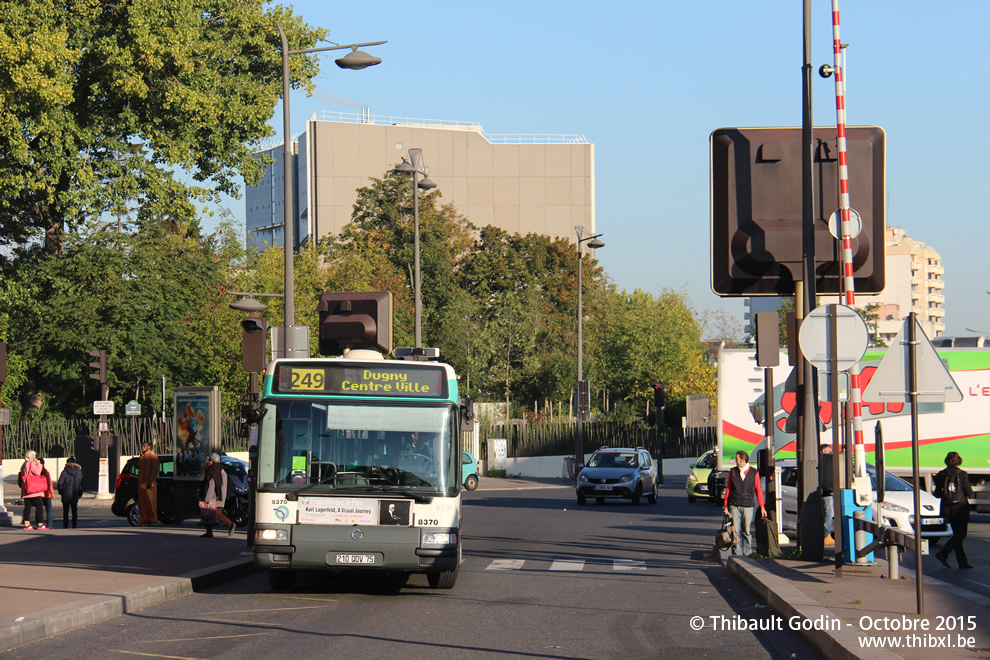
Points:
(197, 429)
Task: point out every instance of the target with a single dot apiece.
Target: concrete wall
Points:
(552, 467)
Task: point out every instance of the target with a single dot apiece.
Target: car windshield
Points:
(890, 483)
(789, 476)
(318, 446)
(613, 459)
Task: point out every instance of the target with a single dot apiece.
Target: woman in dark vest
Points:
(742, 493)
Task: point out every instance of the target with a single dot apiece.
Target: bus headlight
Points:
(438, 538)
(271, 535)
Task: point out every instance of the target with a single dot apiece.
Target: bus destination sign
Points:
(394, 380)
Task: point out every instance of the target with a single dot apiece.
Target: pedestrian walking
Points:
(148, 485)
(33, 487)
(828, 502)
(214, 497)
(742, 493)
(954, 490)
(70, 488)
(49, 492)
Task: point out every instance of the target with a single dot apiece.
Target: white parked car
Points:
(897, 508)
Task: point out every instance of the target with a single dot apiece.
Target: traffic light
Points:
(100, 365)
(659, 401)
(355, 320)
(254, 344)
(757, 209)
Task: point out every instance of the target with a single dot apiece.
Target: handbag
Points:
(208, 512)
(35, 483)
(726, 536)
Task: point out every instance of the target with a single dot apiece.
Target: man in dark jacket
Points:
(70, 487)
(742, 493)
(953, 488)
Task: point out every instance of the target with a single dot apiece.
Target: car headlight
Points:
(626, 478)
(582, 477)
(436, 538)
(271, 535)
(691, 477)
(892, 508)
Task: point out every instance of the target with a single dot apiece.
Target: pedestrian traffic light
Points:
(100, 365)
(254, 344)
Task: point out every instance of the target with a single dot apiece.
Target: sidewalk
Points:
(61, 579)
(844, 614)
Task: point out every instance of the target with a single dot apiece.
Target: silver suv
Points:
(625, 473)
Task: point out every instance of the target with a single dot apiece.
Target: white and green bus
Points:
(358, 468)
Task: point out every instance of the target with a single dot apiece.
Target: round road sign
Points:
(815, 338)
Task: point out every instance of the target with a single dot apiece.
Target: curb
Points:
(65, 618)
(788, 601)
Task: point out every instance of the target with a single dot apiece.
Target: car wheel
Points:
(581, 500)
(280, 579)
(600, 500)
(638, 494)
(134, 515)
(442, 579)
(691, 498)
(471, 482)
(652, 497)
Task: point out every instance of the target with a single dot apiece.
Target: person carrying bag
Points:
(726, 537)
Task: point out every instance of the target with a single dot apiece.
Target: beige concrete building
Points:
(542, 184)
(914, 283)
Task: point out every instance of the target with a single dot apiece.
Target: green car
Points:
(697, 481)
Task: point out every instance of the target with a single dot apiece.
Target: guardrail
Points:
(883, 536)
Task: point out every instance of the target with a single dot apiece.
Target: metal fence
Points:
(57, 437)
(557, 439)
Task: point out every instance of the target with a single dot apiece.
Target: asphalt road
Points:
(541, 577)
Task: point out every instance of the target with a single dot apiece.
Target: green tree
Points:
(103, 102)
(638, 340)
(156, 301)
(382, 230)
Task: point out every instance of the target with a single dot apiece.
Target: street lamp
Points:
(583, 403)
(354, 60)
(414, 165)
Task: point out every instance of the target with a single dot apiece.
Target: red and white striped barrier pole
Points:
(855, 385)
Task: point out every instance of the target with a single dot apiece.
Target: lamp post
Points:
(414, 165)
(356, 60)
(582, 389)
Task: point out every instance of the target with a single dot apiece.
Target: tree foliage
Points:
(103, 102)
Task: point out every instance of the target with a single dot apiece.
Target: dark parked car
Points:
(125, 499)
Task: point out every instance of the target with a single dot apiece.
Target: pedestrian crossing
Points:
(567, 565)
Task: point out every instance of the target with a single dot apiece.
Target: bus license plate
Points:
(355, 559)
(603, 487)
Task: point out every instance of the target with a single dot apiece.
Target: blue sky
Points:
(647, 82)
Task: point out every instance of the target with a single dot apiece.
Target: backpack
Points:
(952, 492)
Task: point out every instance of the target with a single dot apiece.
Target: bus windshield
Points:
(321, 446)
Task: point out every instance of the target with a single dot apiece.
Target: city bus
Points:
(358, 469)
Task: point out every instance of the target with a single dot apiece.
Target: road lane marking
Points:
(567, 565)
(628, 565)
(505, 565)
